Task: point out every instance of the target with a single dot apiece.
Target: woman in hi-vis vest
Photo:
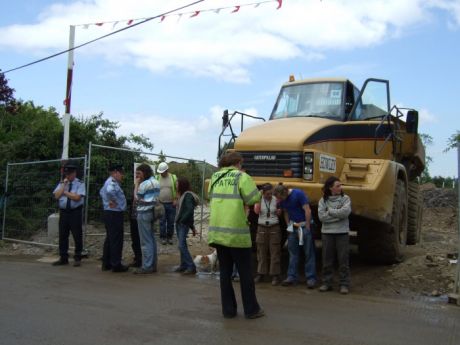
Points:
(230, 190)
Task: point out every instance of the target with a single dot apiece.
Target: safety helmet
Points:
(162, 167)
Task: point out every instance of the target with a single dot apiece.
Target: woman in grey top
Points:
(333, 211)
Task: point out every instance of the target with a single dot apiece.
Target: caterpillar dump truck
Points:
(323, 127)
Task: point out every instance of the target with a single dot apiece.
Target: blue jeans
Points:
(308, 248)
(186, 261)
(148, 242)
(167, 222)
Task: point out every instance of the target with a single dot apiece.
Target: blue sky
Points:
(171, 80)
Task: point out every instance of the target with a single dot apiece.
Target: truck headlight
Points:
(308, 166)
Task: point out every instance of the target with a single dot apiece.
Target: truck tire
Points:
(385, 243)
(414, 211)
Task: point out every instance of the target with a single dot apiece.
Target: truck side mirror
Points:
(412, 121)
(225, 118)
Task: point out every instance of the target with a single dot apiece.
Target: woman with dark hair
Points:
(146, 191)
(268, 238)
(333, 211)
(184, 221)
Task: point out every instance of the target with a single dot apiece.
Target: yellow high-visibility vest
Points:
(229, 190)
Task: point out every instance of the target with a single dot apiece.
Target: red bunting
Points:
(235, 9)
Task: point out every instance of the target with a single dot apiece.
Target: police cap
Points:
(69, 168)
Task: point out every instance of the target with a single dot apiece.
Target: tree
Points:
(6, 92)
(444, 182)
(427, 140)
(453, 141)
(34, 133)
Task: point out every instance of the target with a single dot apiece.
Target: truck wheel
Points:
(384, 243)
(414, 221)
(395, 236)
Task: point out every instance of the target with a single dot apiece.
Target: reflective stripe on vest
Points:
(225, 196)
(250, 196)
(228, 230)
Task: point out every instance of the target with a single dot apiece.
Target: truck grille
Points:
(262, 163)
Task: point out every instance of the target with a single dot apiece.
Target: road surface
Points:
(45, 305)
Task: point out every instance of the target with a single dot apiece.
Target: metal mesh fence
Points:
(30, 211)
(100, 157)
(29, 207)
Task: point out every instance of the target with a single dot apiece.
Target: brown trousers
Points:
(268, 240)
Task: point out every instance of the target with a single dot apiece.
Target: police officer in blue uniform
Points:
(70, 192)
(114, 202)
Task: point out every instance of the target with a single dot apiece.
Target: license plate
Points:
(327, 163)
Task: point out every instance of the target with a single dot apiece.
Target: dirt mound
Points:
(439, 197)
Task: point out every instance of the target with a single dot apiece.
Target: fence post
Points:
(85, 215)
(5, 198)
(457, 276)
(88, 177)
(454, 298)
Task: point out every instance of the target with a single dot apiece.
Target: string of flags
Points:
(192, 14)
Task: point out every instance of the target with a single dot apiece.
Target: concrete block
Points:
(53, 225)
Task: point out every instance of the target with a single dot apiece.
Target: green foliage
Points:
(161, 157)
(34, 133)
(193, 171)
(453, 141)
(6, 92)
(444, 182)
(427, 140)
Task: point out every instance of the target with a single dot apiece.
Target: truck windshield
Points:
(313, 99)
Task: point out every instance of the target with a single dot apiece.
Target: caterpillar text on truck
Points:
(322, 127)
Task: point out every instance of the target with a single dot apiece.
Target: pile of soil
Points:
(439, 197)
(429, 267)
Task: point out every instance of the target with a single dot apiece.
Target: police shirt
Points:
(111, 191)
(78, 187)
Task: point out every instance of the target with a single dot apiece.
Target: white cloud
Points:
(426, 117)
(223, 45)
(450, 6)
(189, 138)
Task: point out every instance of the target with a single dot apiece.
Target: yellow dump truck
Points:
(323, 127)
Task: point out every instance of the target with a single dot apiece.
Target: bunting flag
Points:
(193, 14)
(237, 8)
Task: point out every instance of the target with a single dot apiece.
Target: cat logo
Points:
(264, 157)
